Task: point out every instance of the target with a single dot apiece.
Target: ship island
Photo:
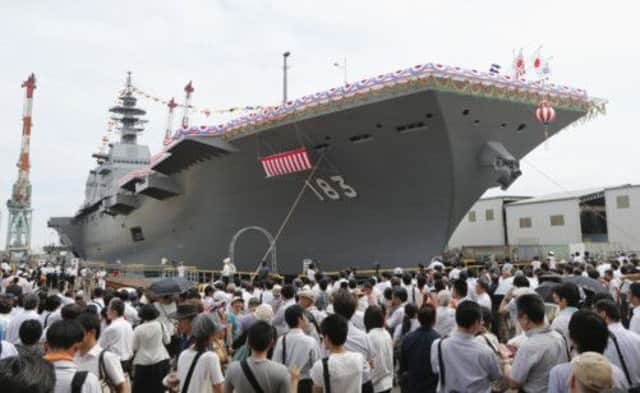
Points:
(377, 172)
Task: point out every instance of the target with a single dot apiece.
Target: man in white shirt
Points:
(398, 300)
(344, 304)
(97, 299)
(482, 297)
(63, 339)
(130, 312)
(468, 365)
(228, 270)
(634, 299)
(543, 349)
(30, 303)
(296, 349)
(180, 269)
(343, 368)
(288, 294)
(567, 297)
(91, 357)
(628, 343)
(118, 336)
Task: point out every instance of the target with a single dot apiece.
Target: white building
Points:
(623, 216)
(548, 220)
(484, 224)
(599, 220)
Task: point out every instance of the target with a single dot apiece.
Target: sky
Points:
(232, 50)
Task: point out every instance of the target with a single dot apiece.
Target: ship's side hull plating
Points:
(394, 178)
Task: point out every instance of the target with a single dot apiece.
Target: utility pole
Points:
(188, 90)
(285, 55)
(343, 66)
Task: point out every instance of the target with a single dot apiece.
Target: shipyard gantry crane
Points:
(19, 206)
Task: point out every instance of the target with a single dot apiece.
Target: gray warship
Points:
(396, 162)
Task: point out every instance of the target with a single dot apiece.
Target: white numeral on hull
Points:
(324, 188)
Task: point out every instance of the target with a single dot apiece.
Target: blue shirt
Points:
(416, 361)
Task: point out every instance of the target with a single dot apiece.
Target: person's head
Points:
(294, 316)
(98, 292)
(399, 296)
(116, 309)
(27, 374)
(185, 313)
(521, 282)
(460, 289)
(443, 298)
(608, 310)
(566, 295)
(487, 319)
(634, 293)
(64, 336)
(30, 332)
(344, 303)
(324, 284)
(288, 292)
(588, 332)
(507, 270)
(427, 315)
(148, 312)
(208, 290)
(373, 317)
(590, 373)
(91, 325)
(306, 298)
(70, 311)
(30, 301)
(334, 329)
(203, 330)
(260, 336)
(52, 302)
(469, 317)
(123, 294)
(5, 306)
(530, 311)
(482, 287)
(237, 304)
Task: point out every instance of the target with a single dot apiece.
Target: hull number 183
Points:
(335, 188)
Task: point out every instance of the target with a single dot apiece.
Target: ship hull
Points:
(396, 177)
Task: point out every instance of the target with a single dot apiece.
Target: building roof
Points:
(622, 186)
(587, 193)
(505, 197)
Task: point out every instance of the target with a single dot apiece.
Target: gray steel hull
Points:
(412, 189)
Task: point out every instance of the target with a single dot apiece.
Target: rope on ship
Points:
(292, 208)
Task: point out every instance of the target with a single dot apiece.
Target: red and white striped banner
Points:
(287, 162)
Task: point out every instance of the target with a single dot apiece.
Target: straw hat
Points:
(593, 371)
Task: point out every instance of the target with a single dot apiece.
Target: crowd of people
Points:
(545, 326)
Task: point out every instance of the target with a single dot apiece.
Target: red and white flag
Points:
(287, 162)
(519, 66)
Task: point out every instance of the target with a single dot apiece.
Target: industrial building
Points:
(599, 220)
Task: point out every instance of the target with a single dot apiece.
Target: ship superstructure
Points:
(394, 163)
